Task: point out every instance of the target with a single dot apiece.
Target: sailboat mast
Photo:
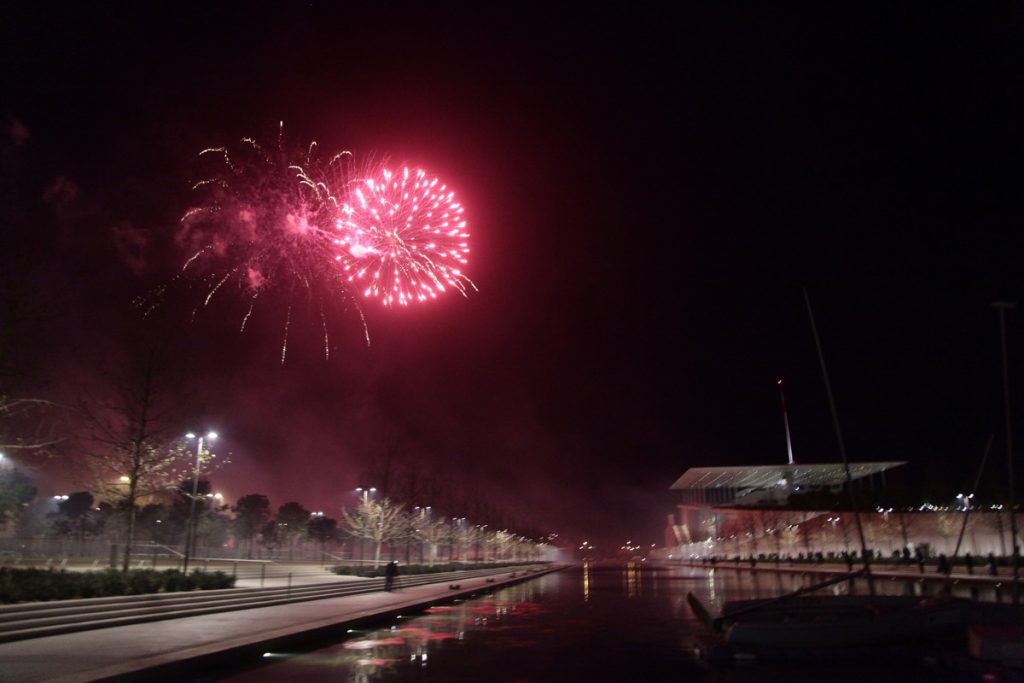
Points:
(1003, 306)
(842, 450)
(785, 421)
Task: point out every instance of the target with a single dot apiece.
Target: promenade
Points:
(177, 649)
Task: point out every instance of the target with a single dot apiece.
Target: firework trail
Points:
(288, 223)
(265, 222)
(402, 238)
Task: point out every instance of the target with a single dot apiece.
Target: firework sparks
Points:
(265, 223)
(402, 238)
(275, 221)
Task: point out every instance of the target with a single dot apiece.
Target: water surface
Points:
(595, 624)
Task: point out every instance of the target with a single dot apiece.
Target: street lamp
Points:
(366, 491)
(190, 530)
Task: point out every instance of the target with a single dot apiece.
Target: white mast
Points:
(785, 421)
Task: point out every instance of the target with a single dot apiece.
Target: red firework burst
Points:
(403, 238)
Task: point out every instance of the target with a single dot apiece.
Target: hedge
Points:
(31, 585)
(411, 569)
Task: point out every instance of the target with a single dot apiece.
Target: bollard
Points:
(263, 574)
(289, 584)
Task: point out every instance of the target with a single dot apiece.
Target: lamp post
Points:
(366, 491)
(425, 541)
(785, 421)
(190, 529)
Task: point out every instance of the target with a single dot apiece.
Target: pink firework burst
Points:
(402, 238)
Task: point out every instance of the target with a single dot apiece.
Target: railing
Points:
(147, 553)
(32, 620)
(892, 580)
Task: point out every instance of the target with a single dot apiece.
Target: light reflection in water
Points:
(546, 630)
(632, 578)
(371, 656)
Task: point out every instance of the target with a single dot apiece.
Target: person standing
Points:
(390, 572)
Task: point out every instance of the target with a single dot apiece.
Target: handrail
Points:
(717, 623)
(153, 544)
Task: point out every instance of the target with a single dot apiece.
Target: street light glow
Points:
(209, 436)
(190, 530)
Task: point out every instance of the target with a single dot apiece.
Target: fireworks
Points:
(402, 238)
(292, 223)
(265, 223)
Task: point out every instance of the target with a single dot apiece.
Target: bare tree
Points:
(252, 512)
(133, 450)
(323, 530)
(25, 423)
(502, 542)
(387, 470)
(292, 520)
(16, 491)
(379, 522)
(433, 532)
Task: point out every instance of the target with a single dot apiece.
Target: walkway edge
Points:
(213, 654)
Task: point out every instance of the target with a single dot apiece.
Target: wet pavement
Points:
(178, 648)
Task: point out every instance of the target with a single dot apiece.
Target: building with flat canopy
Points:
(712, 496)
(796, 509)
(772, 485)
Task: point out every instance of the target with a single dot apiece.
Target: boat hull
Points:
(844, 621)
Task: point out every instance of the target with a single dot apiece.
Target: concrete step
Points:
(33, 620)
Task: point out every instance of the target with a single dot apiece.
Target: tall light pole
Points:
(190, 529)
(366, 491)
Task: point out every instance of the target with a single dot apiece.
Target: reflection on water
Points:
(594, 623)
(631, 578)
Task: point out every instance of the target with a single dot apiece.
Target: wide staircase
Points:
(36, 619)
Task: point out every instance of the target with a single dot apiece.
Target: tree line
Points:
(252, 527)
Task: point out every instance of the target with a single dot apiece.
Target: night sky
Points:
(648, 191)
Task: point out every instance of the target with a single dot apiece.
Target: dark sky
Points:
(648, 191)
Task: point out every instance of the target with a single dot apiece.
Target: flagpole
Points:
(785, 421)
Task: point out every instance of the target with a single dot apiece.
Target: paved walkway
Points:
(163, 650)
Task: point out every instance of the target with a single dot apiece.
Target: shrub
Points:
(213, 580)
(411, 569)
(143, 581)
(112, 582)
(175, 581)
(33, 585)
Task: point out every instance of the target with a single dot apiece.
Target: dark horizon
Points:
(649, 193)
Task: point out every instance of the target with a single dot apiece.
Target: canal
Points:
(592, 623)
